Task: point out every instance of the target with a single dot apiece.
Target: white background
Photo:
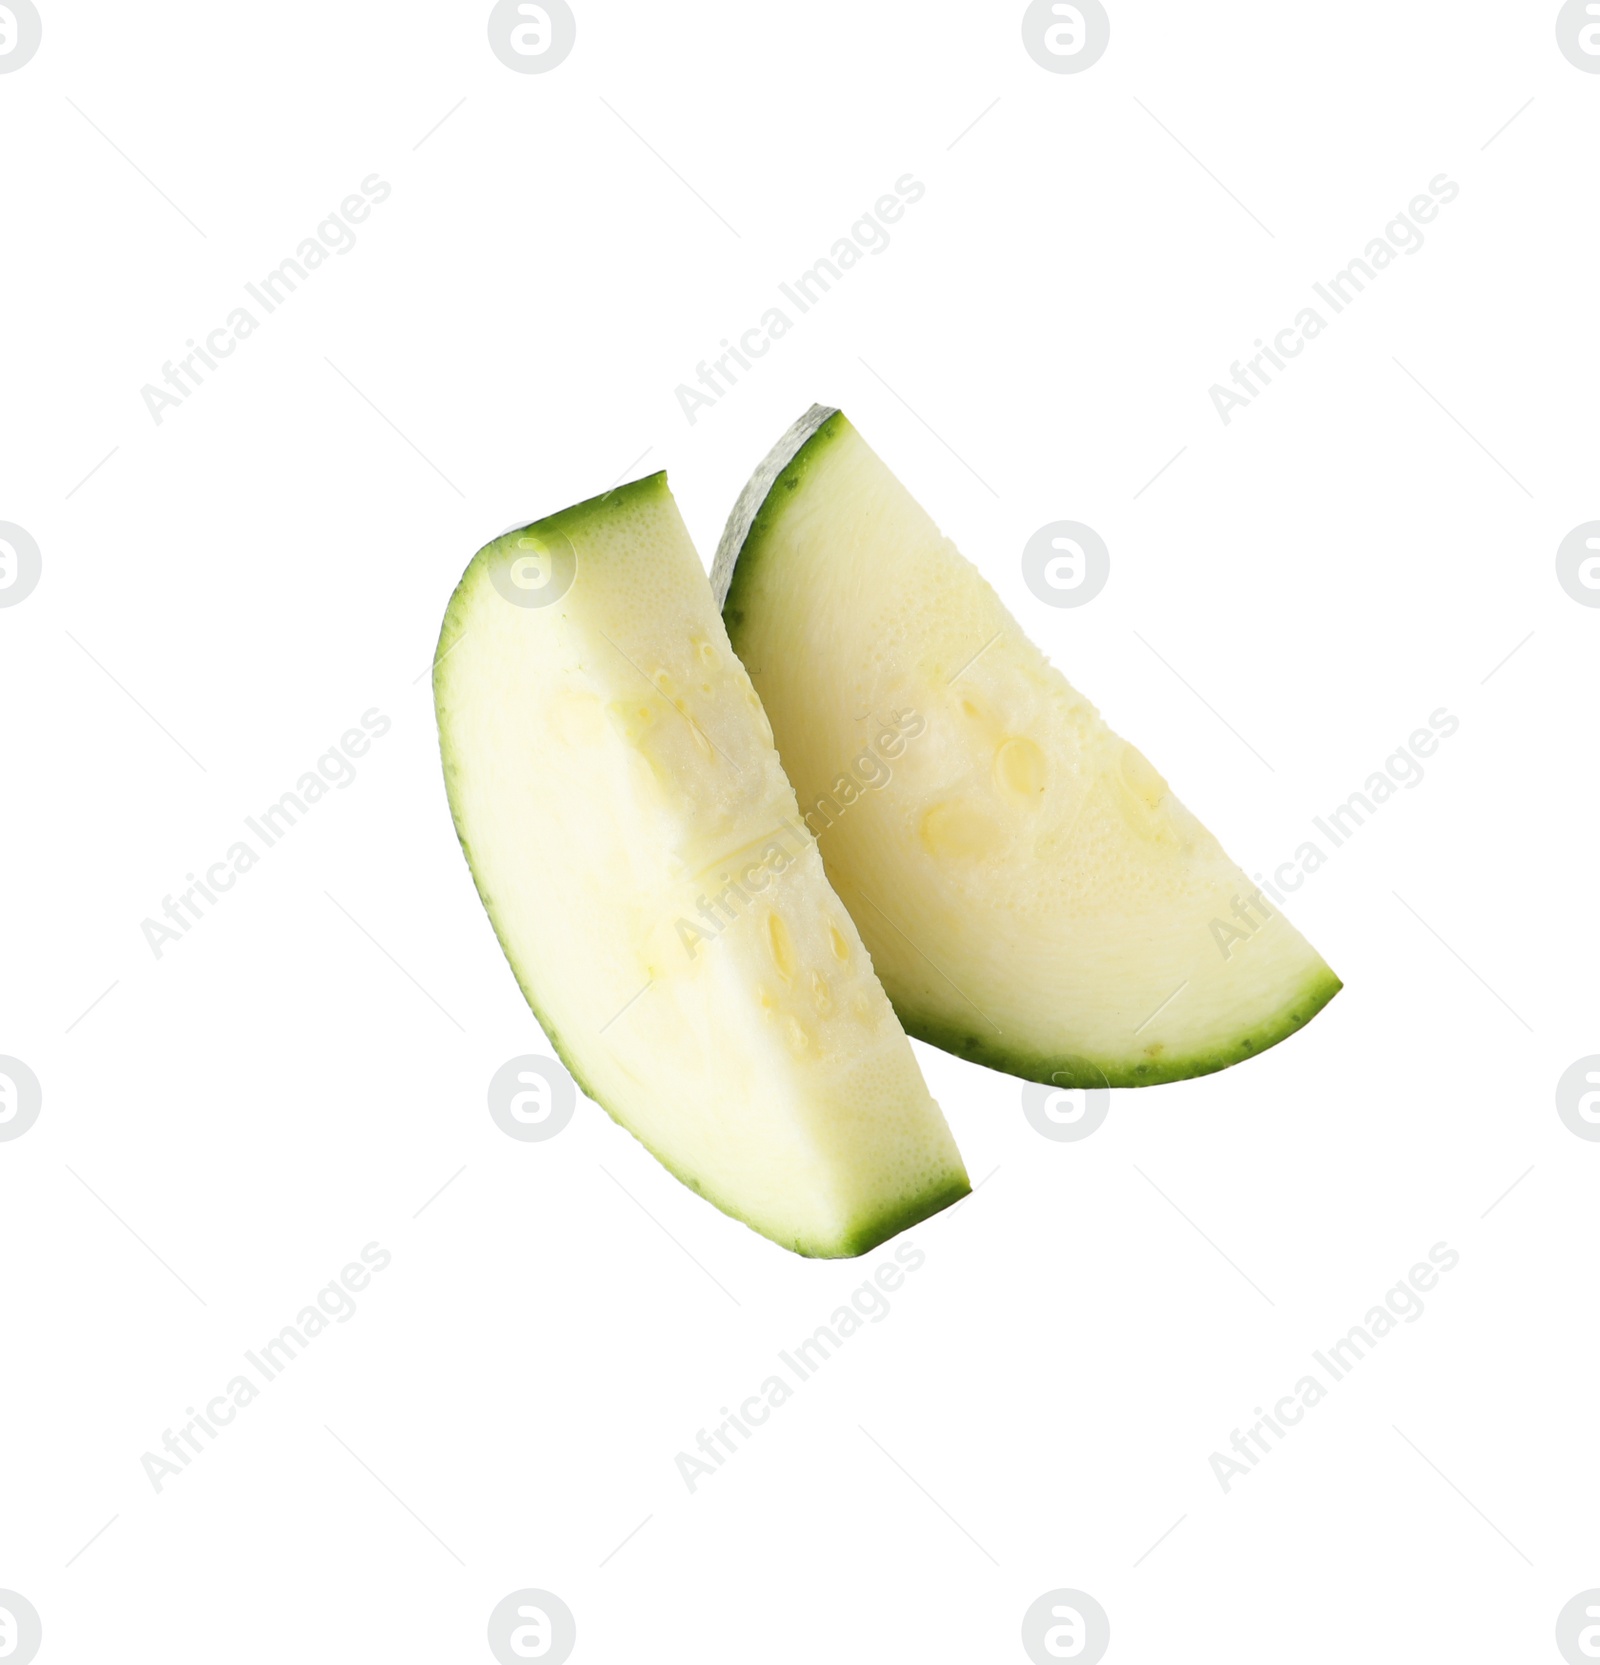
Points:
(1352, 552)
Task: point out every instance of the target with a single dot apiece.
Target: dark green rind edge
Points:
(760, 504)
(1075, 1070)
(862, 1240)
(578, 513)
(865, 1237)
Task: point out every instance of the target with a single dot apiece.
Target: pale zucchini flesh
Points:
(638, 849)
(1033, 894)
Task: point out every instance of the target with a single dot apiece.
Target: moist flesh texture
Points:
(1033, 894)
(638, 850)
